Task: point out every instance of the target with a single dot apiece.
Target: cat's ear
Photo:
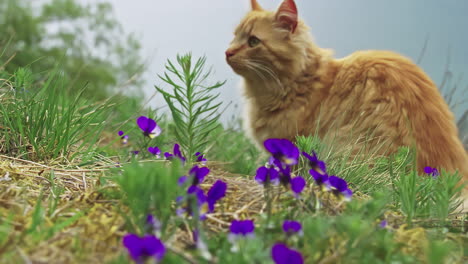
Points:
(255, 5)
(286, 16)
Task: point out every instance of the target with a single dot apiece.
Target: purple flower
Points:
(315, 163)
(282, 150)
(198, 174)
(177, 154)
(149, 127)
(297, 185)
(242, 228)
(281, 254)
(136, 152)
(216, 193)
(201, 199)
(284, 173)
(340, 188)
(200, 158)
(198, 193)
(194, 195)
(292, 227)
(239, 230)
(270, 162)
(383, 224)
(205, 203)
(182, 180)
(431, 171)
(141, 248)
(153, 224)
(266, 176)
(321, 180)
(123, 138)
(179, 199)
(155, 151)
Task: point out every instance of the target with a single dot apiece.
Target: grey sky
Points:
(204, 27)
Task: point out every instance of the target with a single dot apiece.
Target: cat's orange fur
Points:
(291, 84)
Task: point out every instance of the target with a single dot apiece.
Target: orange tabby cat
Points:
(291, 84)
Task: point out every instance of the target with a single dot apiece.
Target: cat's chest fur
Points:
(281, 115)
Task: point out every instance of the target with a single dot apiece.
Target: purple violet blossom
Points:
(155, 151)
(168, 155)
(242, 228)
(123, 138)
(239, 230)
(281, 254)
(193, 192)
(283, 150)
(142, 248)
(266, 176)
(315, 163)
(176, 152)
(149, 127)
(431, 171)
(201, 158)
(340, 188)
(284, 174)
(205, 203)
(182, 180)
(272, 174)
(198, 193)
(135, 152)
(321, 180)
(297, 185)
(270, 162)
(383, 224)
(153, 224)
(216, 193)
(198, 174)
(292, 227)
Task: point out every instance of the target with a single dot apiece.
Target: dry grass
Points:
(96, 224)
(95, 235)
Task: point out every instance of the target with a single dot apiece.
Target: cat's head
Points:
(269, 42)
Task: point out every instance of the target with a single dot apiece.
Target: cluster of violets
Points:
(205, 203)
(280, 252)
(195, 202)
(150, 129)
(278, 170)
(150, 246)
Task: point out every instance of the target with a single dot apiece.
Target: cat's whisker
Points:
(267, 70)
(260, 72)
(256, 71)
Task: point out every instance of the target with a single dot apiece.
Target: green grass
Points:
(46, 121)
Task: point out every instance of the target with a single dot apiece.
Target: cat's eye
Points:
(253, 41)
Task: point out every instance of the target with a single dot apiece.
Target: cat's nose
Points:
(230, 53)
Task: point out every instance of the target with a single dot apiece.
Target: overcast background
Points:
(205, 27)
